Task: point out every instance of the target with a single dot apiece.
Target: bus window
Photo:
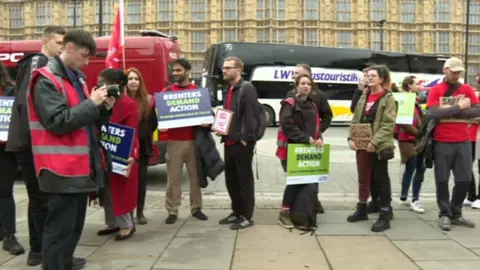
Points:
(272, 90)
(394, 62)
(426, 64)
(338, 91)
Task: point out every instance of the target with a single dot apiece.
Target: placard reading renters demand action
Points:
(307, 164)
(118, 140)
(183, 108)
(6, 104)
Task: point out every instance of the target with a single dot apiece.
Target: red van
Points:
(151, 52)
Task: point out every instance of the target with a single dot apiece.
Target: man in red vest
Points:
(64, 123)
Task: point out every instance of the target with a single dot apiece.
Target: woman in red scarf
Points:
(120, 194)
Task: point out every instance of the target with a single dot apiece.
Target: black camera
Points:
(113, 90)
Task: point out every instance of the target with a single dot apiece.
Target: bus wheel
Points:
(270, 114)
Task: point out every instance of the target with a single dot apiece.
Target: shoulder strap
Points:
(451, 89)
(169, 88)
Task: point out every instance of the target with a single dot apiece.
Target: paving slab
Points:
(364, 252)
(476, 250)
(406, 229)
(197, 253)
(442, 265)
(273, 237)
(139, 252)
(20, 262)
(287, 259)
(275, 248)
(212, 232)
(347, 228)
(435, 250)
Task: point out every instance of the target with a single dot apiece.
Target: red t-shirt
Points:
(372, 98)
(183, 133)
(228, 102)
(451, 132)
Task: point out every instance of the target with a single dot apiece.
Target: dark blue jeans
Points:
(414, 169)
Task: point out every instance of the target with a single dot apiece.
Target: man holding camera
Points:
(69, 163)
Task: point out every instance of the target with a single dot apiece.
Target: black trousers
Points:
(381, 182)
(63, 228)
(239, 178)
(8, 171)
(454, 157)
(37, 200)
(472, 194)
(142, 182)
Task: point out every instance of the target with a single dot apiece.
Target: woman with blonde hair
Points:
(148, 123)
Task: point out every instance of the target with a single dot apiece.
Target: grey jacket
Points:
(57, 118)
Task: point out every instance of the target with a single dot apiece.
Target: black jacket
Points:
(209, 161)
(19, 132)
(324, 110)
(356, 96)
(146, 128)
(57, 118)
(244, 113)
(299, 122)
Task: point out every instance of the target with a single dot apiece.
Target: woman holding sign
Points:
(371, 136)
(414, 163)
(120, 195)
(299, 123)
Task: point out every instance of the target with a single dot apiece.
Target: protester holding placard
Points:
(120, 193)
(414, 162)
(181, 149)
(377, 108)
(148, 124)
(323, 107)
(8, 172)
(299, 123)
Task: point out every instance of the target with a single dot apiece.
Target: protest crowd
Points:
(77, 146)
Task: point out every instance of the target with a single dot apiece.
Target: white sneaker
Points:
(417, 207)
(466, 202)
(476, 204)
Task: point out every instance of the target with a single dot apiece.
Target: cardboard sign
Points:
(361, 135)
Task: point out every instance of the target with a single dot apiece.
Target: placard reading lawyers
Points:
(183, 108)
(6, 104)
(361, 135)
(307, 164)
(118, 141)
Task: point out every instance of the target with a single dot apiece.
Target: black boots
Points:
(383, 221)
(373, 207)
(359, 214)
(11, 244)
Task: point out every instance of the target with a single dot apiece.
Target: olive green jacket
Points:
(384, 120)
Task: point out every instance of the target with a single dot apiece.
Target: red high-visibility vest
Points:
(282, 139)
(66, 155)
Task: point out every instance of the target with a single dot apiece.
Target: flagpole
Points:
(122, 33)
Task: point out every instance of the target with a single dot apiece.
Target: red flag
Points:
(117, 41)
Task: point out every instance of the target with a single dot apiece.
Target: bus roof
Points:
(305, 47)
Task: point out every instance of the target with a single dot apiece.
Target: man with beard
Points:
(19, 138)
(181, 149)
(324, 110)
(239, 144)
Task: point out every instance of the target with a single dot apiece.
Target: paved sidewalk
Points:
(414, 242)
